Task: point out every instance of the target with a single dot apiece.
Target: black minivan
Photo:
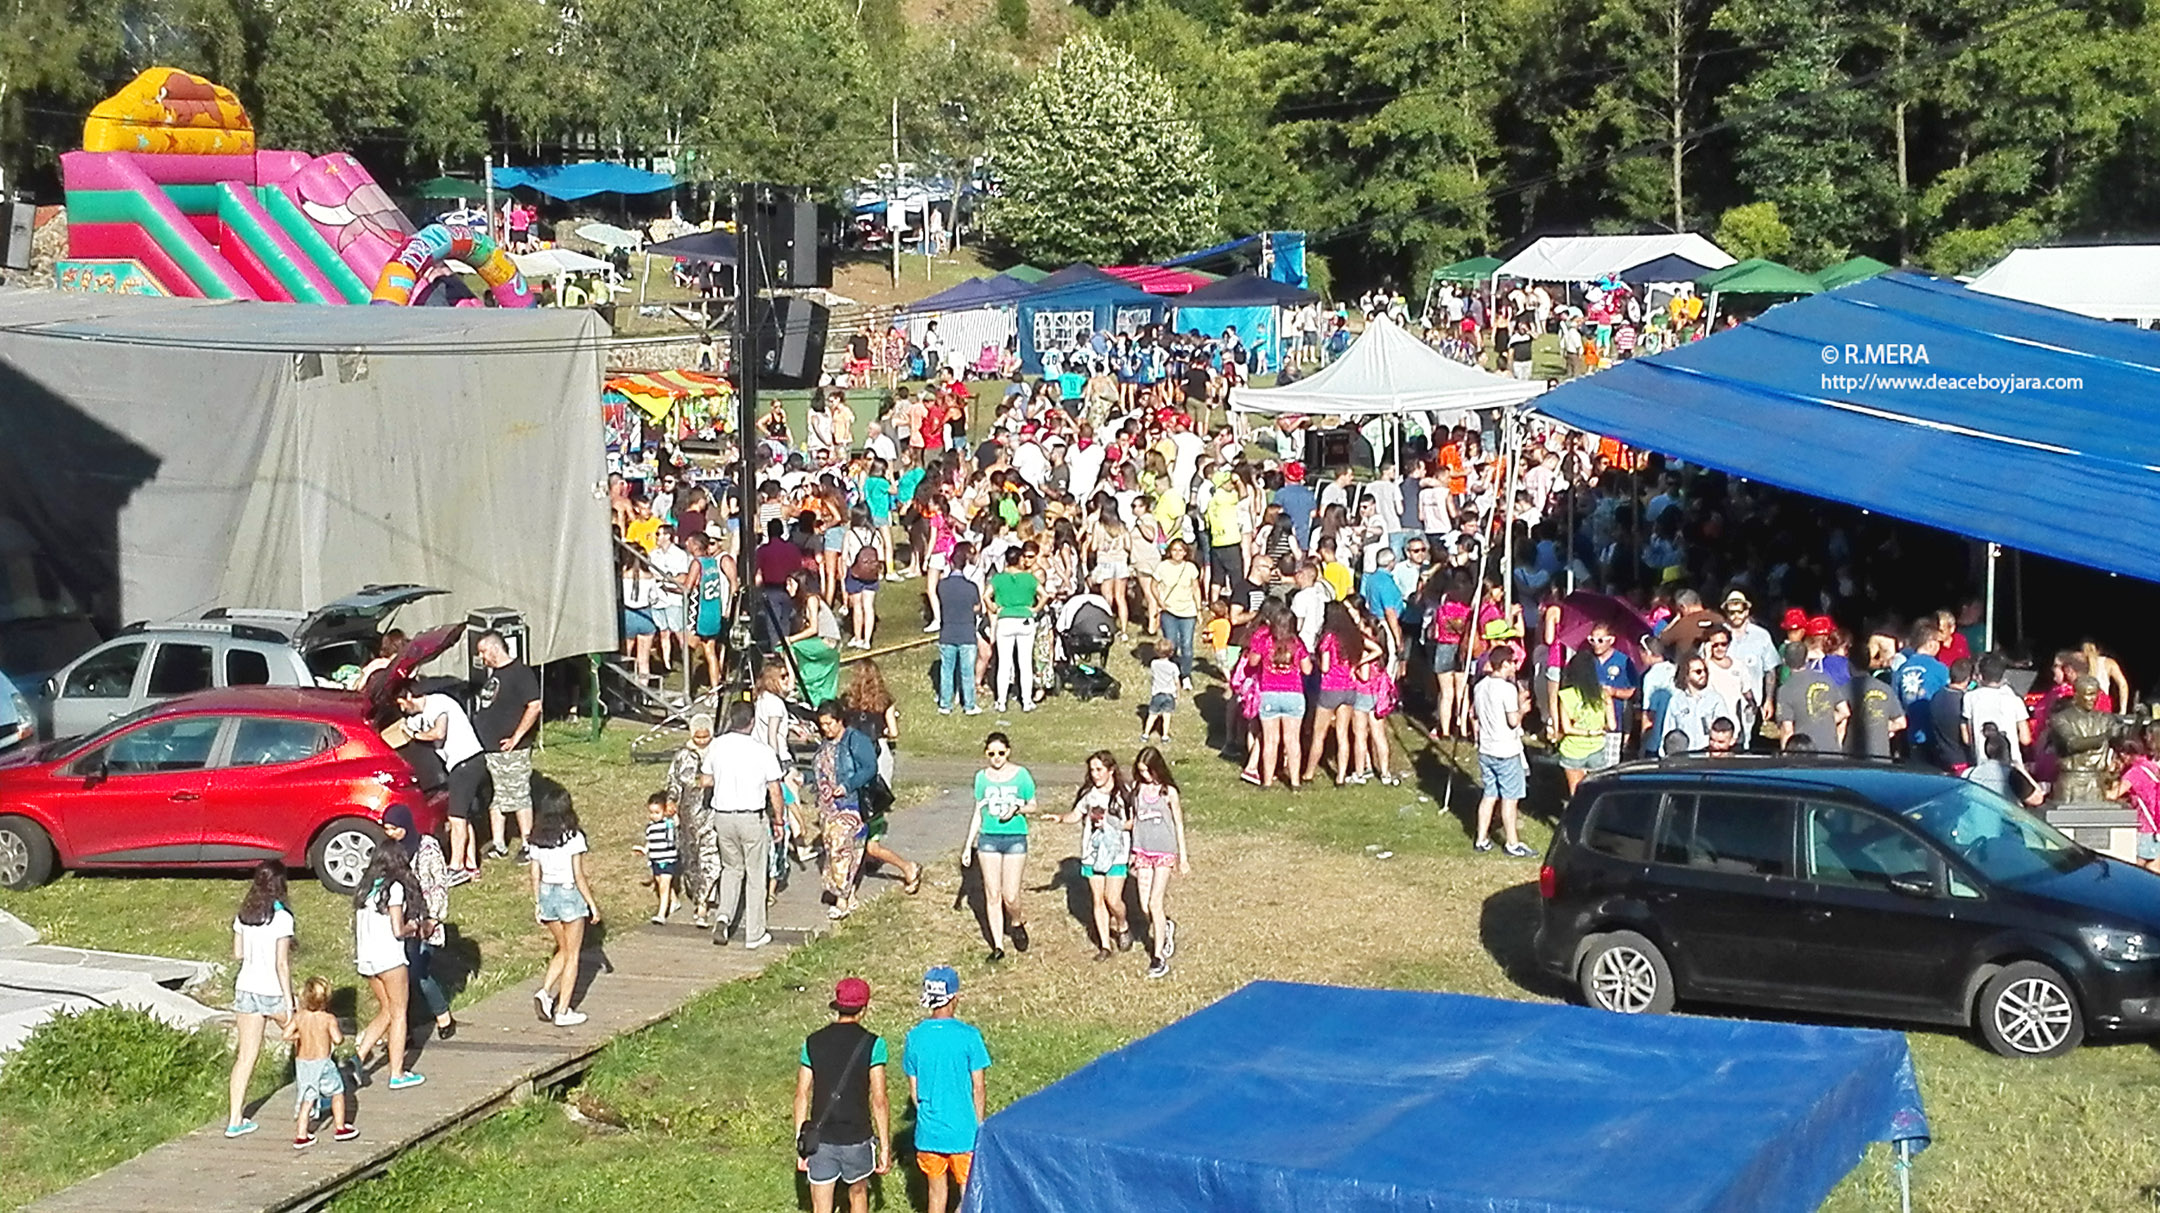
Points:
(1849, 888)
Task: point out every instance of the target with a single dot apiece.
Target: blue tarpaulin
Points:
(1052, 318)
(1290, 1098)
(572, 181)
(1916, 397)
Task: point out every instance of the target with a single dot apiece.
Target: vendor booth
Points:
(1248, 303)
(1052, 317)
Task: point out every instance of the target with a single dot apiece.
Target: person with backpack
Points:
(865, 569)
(843, 1122)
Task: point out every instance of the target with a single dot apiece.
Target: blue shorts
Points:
(835, 539)
(2148, 847)
(244, 1003)
(671, 616)
(858, 587)
(1001, 844)
(315, 1081)
(637, 623)
(667, 868)
(1502, 777)
(561, 903)
(1161, 705)
(1280, 705)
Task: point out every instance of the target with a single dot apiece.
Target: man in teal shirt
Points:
(945, 1059)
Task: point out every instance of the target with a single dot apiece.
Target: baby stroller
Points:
(1085, 630)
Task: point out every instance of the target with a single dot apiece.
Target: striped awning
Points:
(656, 392)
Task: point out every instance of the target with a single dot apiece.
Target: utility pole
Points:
(892, 200)
(487, 186)
(747, 299)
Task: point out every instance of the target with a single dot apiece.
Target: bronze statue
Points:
(2078, 732)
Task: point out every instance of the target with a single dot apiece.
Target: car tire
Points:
(26, 854)
(2030, 1010)
(341, 852)
(1626, 974)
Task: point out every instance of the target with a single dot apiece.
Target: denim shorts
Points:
(842, 1164)
(1161, 705)
(1331, 700)
(1502, 777)
(670, 616)
(314, 1081)
(1279, 705)
(1001, 844)
(244, 1003)
(2148, 846)
(636, 623)
(562, 903)
(1361, 701)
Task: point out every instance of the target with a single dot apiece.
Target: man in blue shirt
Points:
(1919, 676)
(945, 1059)
(1297, 502)
(1385, 598)
(1616, 673)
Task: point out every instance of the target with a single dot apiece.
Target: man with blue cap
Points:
(945, 1059)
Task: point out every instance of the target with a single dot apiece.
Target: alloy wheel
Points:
(14, 858)
(1624, 980)
(345, 856)
(2034, 1015)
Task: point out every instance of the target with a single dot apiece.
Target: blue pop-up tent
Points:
(573, 181)
(1052, 317)
(1248, 303)
(1290, 1098)
(1918, 398)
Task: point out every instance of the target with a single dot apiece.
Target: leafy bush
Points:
(1013, 15)
(111, 1055)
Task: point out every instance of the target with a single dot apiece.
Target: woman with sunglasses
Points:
(998, 838)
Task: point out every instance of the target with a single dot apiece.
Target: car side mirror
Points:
(94, 771)
(1914, 884)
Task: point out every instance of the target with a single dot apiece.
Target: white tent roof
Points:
(1386, 371)
(2106, 282)
(1588, 258)
(557, 263)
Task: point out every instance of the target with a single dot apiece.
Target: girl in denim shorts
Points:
(563, 903)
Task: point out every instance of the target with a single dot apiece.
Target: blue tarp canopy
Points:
(1289, 1098)
(715, 246)
(1247, 290)
(572, 181)
(953, 298)
(1672, 267)
(1987, 437)
(1053, 317)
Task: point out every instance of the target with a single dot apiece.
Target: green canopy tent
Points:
(1845, 273)
(1472, 269)
(1754, 276)
(448, 187)
(1027, 273)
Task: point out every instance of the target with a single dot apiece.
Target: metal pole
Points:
(747, 297)
(892, 202)
(1987, 625)
(1903, 1166)
(1504, 509)
(2017, 595)
(487, 183)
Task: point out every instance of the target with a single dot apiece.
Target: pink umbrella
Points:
(1583, 610)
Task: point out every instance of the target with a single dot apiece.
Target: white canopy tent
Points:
(558, 263)
(1386, 372)
(1589, 258)
(2106, 282)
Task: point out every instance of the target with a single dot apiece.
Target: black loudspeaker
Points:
(1327, 449)
(21, 215)
(791, 342)
(790, 251)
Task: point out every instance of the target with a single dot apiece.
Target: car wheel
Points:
(1625, 973)
(341, 852)
(2028, 1010)
(26, 854)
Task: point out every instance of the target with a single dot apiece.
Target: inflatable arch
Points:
(435, 244)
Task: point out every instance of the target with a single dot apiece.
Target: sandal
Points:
(914, 881)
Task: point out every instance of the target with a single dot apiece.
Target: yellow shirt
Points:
(1215, 633)
(639, 534)
(1177, 587)
(1337, 575)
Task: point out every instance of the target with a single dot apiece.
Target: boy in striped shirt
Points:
(660, 852)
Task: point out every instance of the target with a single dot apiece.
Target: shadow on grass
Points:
(1507, 927)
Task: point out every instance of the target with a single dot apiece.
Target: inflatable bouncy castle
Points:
(171, 196)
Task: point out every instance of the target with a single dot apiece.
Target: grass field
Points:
(1369, 885)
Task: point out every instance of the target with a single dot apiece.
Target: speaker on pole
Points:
(791, 342)
(790, 248)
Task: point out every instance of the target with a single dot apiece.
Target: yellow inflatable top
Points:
(166, 110)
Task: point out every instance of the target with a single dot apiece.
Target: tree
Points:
(49, 47)
(1640, 70)
(331, 73)
(1754, 230)
(798, 100)
(1098, 160)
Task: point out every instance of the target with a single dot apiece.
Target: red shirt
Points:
(777, 560)
(1956, 648)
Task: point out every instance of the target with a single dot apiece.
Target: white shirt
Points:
(1189, 446)
(882, 446)
(1032, 464)
(258, 954)
(1083, 464)
(669, 563)
(376, 949)
(459, 742)
(2001, 707)
(1309, 606)
(1494, 699)
(1386, 497)
(740, 766)
(558, 864)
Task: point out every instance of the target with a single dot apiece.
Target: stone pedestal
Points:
(2106, 827)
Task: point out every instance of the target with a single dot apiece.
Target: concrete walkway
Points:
(631, 978)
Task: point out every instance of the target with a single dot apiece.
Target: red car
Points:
(220, 779)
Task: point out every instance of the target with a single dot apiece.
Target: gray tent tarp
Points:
(162, 456)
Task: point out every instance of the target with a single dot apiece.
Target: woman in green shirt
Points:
(1015, 594)
(1585, 716)
(998, 838)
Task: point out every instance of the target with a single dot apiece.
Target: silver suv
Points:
(226, 647)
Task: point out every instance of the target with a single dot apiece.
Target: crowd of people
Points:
(1614, 321)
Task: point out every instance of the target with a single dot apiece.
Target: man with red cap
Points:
(1795, 625)
(840, 1103)
(1297, 501)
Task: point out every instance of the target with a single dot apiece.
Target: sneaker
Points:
(974, 711)
(1160, 967)
(303, 1142)
(1019, 936)
(658, 920)
(409, 1079)
(1187, 683)
(241, 1128)
(944, 710)
(1003, 707)
(1482, 845)
(1102, 954)
(1124, 941)
(721, 929)
(524, 854)
(348, 1133)
(996, 955)
(1027, 705)
(1169, 938)
(567, 1018)
(1519, 850)
(931, 629)
(544, 1002)
(699, 921)
(759, 942)
(457, 877)
(497, 850)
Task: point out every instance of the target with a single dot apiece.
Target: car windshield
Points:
(2004, 841)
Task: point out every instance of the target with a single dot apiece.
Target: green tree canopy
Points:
(1099, 160)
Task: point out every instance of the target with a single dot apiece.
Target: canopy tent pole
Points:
(2017, 595)
(1987, 625)
(1504, 509)
(487, 207)
(1903, 1166)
